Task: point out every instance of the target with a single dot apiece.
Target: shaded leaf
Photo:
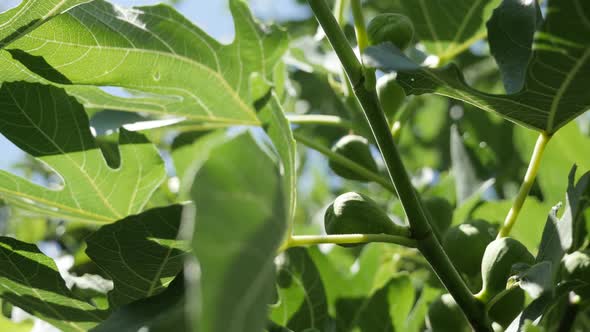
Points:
(566, 234)
(533, 312)
(190, 151)
(303, 304)
(511, 32)
(30, 280)
(366, 314)
(58, 134)
(277, 127)
(240, 219)
(158, 313)
(400, 296)
(466, 181)
(140, 253)
(535, 280)
(553, 92)
(448, 27)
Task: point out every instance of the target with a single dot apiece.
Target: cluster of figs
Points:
(473, 246)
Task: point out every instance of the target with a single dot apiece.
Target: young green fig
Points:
(394, 28)
(354, 213)
(391, 95)
(440, 211)
(444, 315)
(498, 259)
(576, 266)
(355, 148)
(508, 307)
(466, 243)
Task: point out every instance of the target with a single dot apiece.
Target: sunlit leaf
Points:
(176, 67)
(58, 134)
(30, 14)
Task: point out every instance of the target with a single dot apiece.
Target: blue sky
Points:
(210, 15)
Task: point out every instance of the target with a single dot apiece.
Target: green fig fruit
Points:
(466, 243)
(444, 315)
(440, 211)
(355, 148)
(508, 307)
(496, 266)
(391, 95)
(394, 28)
(354, 213)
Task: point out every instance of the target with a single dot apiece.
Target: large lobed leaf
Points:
(553, 92)
(176, 68)
(53, 127)
(240, 218)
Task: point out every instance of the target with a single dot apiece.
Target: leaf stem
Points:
(306, 240)
(526, 185)
(328, 120)
(348, 163)
(422, 232)
(360, 26)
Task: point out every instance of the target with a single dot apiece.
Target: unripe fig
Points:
(508, 307)
(576, 266)
(441, 212)
(498, 259)
(444, 315)
(466, 243)
(391, 95)
(354, 213)
(394, 28)
(355, 148)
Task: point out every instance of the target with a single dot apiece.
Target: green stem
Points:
(339, 8)
(360, 26)
(422, 232)
(306, 240)
(526, 185)
(320, 119)
(350, 164)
